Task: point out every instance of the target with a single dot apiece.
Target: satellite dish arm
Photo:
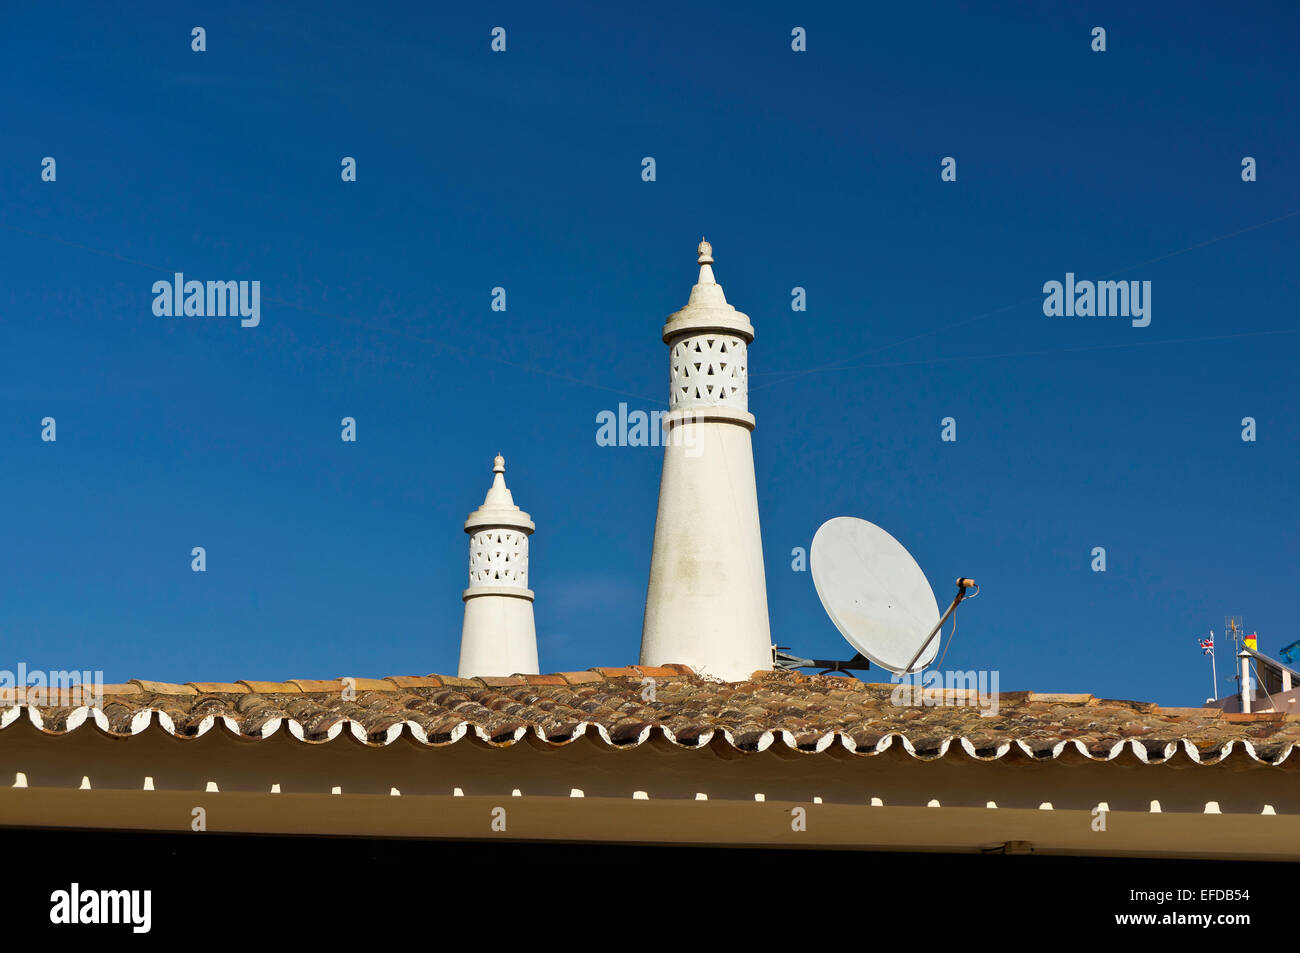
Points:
(783, 660)
(962, 585)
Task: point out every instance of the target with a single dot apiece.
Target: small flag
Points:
(1252, 642)
(1207, 645)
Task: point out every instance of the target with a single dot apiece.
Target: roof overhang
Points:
(654, 792)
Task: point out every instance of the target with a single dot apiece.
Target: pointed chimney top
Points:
(499, 507)
(707, 307)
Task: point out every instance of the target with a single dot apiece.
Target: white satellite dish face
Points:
(874, 592)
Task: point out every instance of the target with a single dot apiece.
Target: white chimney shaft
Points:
(706, 605)
(498, 636)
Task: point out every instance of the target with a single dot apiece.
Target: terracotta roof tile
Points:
(546, 680)
(369, 684)
(270, 688)
(203, 688)
(1210, 713)
(415, 681)
(317, 684)
(1251, 717)
(451, 680)
(656, 671)
(1060, 698)
(1120, 702)
(122, 689)
(577, 678)
(163, 688)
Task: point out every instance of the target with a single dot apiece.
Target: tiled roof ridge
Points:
(296, 686)
(394, 682)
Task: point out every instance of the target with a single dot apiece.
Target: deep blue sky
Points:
(522, 169)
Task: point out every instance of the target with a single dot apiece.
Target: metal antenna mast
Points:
(1233, 628)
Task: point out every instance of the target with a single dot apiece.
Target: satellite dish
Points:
(875, 593)
(878, 598)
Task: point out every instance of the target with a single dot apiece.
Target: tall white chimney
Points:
(498, 636)
(706, 605)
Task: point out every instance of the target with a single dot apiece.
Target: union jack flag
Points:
(1207, 645)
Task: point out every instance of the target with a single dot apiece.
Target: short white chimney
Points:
(706, 605)
(498, 636)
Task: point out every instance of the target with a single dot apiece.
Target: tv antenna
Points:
(1235, 631)
(878, 598)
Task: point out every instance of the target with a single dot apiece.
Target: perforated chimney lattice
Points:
(709, 369)
(498, 557)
